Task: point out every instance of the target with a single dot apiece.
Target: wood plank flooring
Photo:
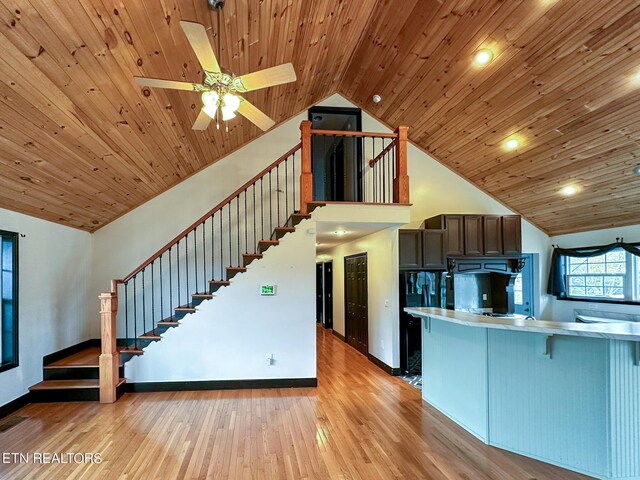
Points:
(360, 423)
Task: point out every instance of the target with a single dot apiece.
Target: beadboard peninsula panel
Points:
(625, 411)
(552, 408)
(454, 378)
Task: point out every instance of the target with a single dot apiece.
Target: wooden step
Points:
(313, 205)
(80, 365)
(233, 271)
(247, 258)
(183, 310)
(169, 323)
(76, 390)
(296, 218)
(280, 232)
(69, 384)
(131, 350)
(215, 285)
(264, 245)
(198, 298)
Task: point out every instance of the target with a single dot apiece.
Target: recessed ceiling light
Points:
(340, 232)
(483, 57)
(512, 143)
(377, 99)
(637, 170)
(569, 190)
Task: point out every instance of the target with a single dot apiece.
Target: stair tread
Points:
(237, 268)
(186, 307)
(204, 295)
(219, 282)
(164, 323)
(70, 384)
(287, 229)
(256, 255)
(58, 384)
(133, 351)
(269, 241)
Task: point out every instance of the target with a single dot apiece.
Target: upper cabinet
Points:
(473, 238)
(410, 246)
(511, 235)
(453, 226)
(422, 249)
(434, 256)
(479, 235)
(492, 236)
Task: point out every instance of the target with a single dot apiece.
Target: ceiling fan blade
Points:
(158, 83)
(199, 40)
(255, 115)
(266, 78)
(202, 122)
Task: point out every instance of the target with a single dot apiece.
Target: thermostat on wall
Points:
(267, 290)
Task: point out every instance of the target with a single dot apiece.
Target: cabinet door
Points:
(433, 250)
(492, 225)
(511, 235)
(473, 235)
(454, 226)
(410, 248)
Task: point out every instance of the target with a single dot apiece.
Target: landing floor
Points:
(360, 423)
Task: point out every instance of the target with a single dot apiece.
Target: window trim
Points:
(15, 301)
(624, 301)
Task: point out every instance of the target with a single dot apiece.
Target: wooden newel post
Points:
(109, 357)
(306, 177)
(401, 182)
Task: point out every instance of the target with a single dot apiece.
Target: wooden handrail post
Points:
(401, 181)
(306, 177)
(109, 356)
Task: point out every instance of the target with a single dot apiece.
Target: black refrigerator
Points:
(417, 289)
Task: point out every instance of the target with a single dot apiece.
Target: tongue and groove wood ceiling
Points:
(81, 144)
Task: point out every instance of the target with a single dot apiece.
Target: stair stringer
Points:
(228, 336)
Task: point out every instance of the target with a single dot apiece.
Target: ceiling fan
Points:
(219, 90)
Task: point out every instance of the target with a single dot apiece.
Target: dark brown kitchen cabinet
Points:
(473, 237)
(478, 235)
(492, 234)
(433, 250)
(422, 249)
(511, 235)
(410, 245)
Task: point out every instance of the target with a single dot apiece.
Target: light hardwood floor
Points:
(360, 423)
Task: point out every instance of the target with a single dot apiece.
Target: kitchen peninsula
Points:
(564, 393)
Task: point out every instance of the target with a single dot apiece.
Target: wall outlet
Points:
(268, 359)
(386, 303)
(484, 296)
(382, 344)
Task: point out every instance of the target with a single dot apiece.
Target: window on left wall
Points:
(9, 299)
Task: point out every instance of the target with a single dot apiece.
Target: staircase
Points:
(219, 246)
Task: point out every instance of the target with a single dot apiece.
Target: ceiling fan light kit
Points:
(220, 90)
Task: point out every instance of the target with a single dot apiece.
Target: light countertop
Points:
(614, 331)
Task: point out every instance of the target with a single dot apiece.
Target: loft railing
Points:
(366, 167)
(218, 242)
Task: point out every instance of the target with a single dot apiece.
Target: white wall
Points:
(56, 309)
(228, 337)
(562, 310)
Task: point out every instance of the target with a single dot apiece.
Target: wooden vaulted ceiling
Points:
(81, 144)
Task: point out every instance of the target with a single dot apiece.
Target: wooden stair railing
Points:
(165, 287)
(201, 259)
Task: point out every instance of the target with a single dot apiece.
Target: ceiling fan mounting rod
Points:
(215, 4)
